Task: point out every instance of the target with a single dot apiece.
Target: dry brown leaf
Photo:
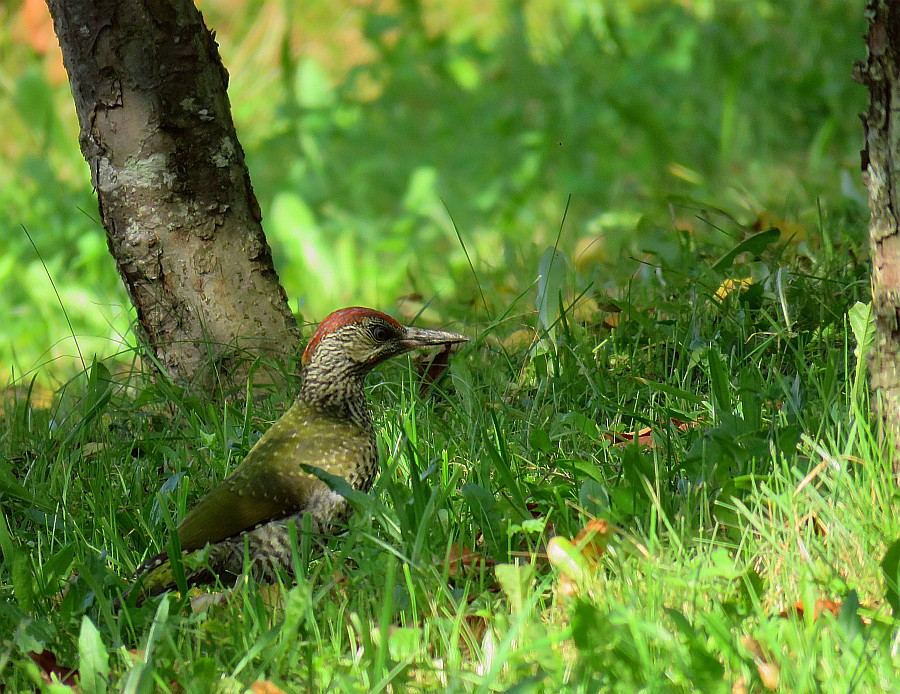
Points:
(576, 560)
(821, 606)
(201, 602)
(644, 437)
(462, 561)
(592, 540)
(818, 527)
(567, 587)
(265, 687)
(519, 340)
(477, 625)
(623, 439)
(431, 367)
(684, 223)
(566, 558)
(769, 672)
(584, 310)
(49, 665)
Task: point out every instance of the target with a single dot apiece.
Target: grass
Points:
(756, 491)
(648, 353)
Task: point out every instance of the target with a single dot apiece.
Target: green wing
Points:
(270, 482)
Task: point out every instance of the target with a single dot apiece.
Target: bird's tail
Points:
(157, 575)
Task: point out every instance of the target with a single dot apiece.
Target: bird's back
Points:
(271, 482)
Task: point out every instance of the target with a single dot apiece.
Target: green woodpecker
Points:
(328, 427)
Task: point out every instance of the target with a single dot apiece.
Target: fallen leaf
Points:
(477, 625)
(644, 437)
(791, 231)
(592, 540)
(682, 223)
(567, 588)
(812, 519)
(768, 671)
(584, 310)
(821, 606)
(519, 340)
(201, 602)
(49, 665)
(462, 561)
(589, 251)
(431, 367)
(730, 286)
(265, 687)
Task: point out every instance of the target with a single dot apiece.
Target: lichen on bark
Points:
(175, 198)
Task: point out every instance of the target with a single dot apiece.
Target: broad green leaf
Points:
(718, 381)
(483, 506)
(848, 617)
(589, 627)
(539, 440)
(890, 567)
(862, 323)
(93, 660)
(550, 284)
(19, 567)
(751, 393)
(755, 244)
(516, 583)
(593, 497)
(57, 568)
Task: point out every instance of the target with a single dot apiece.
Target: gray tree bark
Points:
(181, 218)
(880, 159)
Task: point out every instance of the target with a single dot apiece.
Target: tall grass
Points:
(748, 518)
(656, 244)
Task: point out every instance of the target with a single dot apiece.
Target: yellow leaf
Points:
(730, 286)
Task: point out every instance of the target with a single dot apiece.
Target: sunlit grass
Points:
(652, 145)
(755, 501)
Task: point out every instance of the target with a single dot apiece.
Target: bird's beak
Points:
(416, 338)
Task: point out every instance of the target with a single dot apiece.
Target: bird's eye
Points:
(382, 333)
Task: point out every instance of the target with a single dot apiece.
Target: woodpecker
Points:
(328, 427)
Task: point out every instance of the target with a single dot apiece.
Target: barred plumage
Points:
(328, 427)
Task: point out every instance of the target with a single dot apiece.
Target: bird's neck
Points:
(340, 395)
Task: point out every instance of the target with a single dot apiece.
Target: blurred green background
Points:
(380, 133)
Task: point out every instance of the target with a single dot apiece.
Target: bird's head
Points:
(351, 341)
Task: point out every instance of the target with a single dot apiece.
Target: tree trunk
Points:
(881, 74)
(181, 218)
